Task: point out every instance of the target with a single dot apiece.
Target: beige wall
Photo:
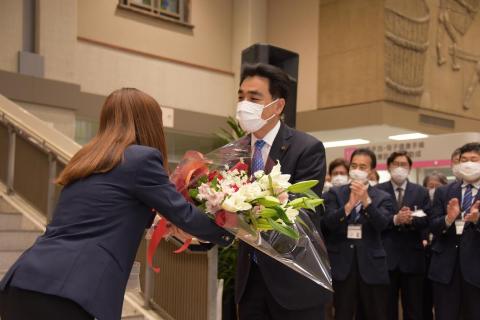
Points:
(351, 45)
(10, 33)
(102, 70)
(294, 25)
(57, 33)
(209, 43)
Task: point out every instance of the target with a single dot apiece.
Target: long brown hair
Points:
(129, 116)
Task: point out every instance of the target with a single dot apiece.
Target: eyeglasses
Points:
(405, 165)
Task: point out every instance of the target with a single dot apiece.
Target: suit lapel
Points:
(392, 194)
(279, 147)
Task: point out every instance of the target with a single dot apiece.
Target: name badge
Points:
(354, 231)
(459, 224)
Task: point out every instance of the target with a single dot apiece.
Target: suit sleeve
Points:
(154, 189)
(311, 166)
(437, 217)
(335, 216)
(380, 212)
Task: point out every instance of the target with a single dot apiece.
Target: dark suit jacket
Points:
(447, 244)
(302, 156)
(88, 250)
(404, 243)
(371, 256)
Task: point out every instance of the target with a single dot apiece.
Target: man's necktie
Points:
(257, 159)
(467, 199)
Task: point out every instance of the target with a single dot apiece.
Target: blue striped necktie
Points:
(467, 199)
(257, 159)
(257, 164)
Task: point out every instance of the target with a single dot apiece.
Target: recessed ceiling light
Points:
(343, 143)
(408, 136)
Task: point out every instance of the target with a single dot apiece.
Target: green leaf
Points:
(282, 215)
(267, 201)
(193, 193)
(285, 230)
(269, 213)
(311, 194)
(303, 186)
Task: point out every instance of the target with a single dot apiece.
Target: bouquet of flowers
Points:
(261, 208)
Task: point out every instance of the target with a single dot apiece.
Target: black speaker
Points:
(285, 60)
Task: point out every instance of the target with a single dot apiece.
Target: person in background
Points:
(432, 181)
(455, 161)
(455, 264)
(356, 214)
(338, 172)
(403, 239)
(373, 178)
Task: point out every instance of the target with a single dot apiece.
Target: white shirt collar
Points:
(475, 185)
(403, 186)
(269, 137)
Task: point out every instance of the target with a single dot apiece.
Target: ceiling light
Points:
(343, 143)
(408, 136)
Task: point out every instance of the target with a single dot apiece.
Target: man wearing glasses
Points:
(403, 238)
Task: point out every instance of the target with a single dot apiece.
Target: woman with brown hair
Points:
(78, 269)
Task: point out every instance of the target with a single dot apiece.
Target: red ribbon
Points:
(160, 231)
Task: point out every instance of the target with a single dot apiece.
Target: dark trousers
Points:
(257, 303)
(456, 300)
(353, 294)
(427, 291)
(411, 288)
(19, 304)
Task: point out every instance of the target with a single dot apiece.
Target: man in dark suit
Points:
(403, 239)
(264, 288)
(455, 264)
(356, 214)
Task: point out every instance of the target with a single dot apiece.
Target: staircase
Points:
(18, 233)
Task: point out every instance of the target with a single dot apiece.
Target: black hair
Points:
(279, 82)
(396, 154)
(365, 152)
(337, 163)
(470, 147)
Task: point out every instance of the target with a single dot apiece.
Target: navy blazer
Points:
(302, 156)
(447, 244)
(88, 249)
(370, 253)
(404, 243)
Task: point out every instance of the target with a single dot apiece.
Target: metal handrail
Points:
(37, 131)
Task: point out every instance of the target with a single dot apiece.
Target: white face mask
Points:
(431, 192)
(469, 171)
(339, 180)
(249, 114)
(359, 175)
(372, 183)
(399, 175)
(456, 172)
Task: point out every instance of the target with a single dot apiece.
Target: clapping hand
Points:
(453, 210)
(473, 215)
(404, 216)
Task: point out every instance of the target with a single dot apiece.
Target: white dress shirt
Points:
(396, 186)
(269, 138)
